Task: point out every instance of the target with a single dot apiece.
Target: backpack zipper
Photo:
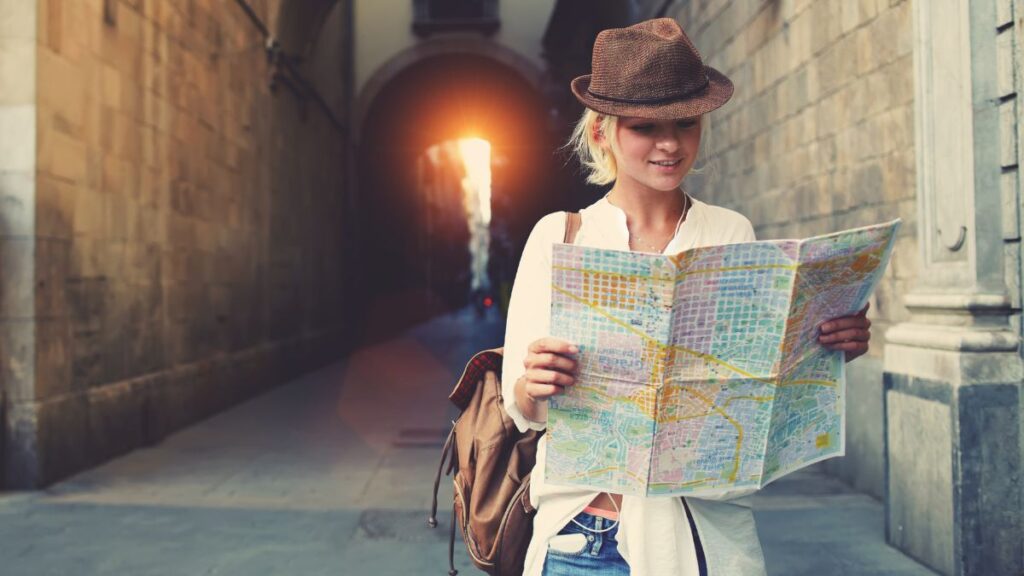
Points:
(517, 497)
(472, 548)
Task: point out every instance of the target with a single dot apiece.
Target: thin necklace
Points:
(633, 238)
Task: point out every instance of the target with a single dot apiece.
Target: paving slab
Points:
(331, 474)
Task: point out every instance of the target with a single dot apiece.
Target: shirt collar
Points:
(610, 231)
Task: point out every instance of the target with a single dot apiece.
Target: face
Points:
(655, 154)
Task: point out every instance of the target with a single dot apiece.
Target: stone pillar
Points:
(953, 372)
(18, 38)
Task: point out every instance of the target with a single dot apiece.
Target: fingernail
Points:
(573, 349)
(826, 326)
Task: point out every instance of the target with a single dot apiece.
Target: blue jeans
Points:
(599, 555)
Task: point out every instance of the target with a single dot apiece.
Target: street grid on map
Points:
(701, 372)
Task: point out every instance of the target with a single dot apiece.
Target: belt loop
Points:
(598, 536)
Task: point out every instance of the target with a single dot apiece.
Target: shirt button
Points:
(590, 537)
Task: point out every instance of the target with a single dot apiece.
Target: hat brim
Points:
(718, 91)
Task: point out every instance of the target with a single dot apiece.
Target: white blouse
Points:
(654, 535)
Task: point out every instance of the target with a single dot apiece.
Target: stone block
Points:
(63, 437)
(898, 175)
(866, 182)
(17, 298)
(987, 496)
(17, 71)
(17, 205)
(1005, 57)
(1004, 12)
(906, 259)
(1010, 204)
(51, 265)
(61, 85)
(87, 216)
(17, 359)
(18, 138)
(919, 506)
(826, 28)
(63, 156)
(18, 19)
(1008, 123)
(1012, 266)
(863, 466)
(117, 419)
(53, 359)
(55, 206)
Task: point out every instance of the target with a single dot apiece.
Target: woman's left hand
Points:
(847, 333)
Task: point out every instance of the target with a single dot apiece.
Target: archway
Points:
(436, 98)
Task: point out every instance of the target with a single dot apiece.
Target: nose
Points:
(668, 140)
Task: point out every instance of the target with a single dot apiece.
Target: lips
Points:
(666, 163)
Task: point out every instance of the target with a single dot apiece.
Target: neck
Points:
(648, 208)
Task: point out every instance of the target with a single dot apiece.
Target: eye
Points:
(642, 127)
(686, 124)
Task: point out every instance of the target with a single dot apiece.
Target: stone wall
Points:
(818, 137)
(17, 206)
(188, 224)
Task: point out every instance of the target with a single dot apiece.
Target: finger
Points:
(864, 310)
(852, 346)
(540, 376)
(542, 391)
(551, 344)
(844, 323)
(845, 335)
(550, 361)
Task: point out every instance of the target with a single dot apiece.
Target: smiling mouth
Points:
(667, 163)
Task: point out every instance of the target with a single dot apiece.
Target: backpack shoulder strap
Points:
(572, 226)
(477, 366)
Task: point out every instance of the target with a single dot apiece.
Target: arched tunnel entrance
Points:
(413, 227)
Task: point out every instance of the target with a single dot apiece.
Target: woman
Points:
(646, 102)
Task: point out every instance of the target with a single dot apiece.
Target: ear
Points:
(598, 132)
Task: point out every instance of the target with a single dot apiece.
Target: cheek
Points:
(691, 143)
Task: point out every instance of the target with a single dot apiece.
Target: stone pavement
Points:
(331, 474)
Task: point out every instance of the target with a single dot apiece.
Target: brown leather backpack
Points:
(494, 461)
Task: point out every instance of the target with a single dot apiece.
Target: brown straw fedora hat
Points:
(650, 70)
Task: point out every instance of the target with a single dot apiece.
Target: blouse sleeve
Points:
(529, 310)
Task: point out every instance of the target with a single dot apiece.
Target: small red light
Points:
(488, 302)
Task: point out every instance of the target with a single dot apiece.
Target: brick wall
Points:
(819, 137)
(188, 224)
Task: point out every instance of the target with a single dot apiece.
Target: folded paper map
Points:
(702, 372)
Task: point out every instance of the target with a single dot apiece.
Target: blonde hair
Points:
(598, 163)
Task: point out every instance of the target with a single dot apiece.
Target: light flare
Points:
(476, 157)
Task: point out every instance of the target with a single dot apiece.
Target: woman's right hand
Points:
(550, 367)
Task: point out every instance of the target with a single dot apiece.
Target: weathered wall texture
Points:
(818, 137)
(17, 203)
(187, 230)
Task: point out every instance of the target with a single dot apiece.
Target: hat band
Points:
(662, 100)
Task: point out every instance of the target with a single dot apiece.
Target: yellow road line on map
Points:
(682, 275)
(663, 347)
(679, 275)
(754, 398)
(604, 471)
(730, 420)
(807, 382)
(684, 484)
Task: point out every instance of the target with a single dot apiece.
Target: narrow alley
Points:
(332, 473)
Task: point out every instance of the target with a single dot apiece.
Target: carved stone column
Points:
(953, 372)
